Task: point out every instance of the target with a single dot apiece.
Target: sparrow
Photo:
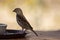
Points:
(22, 21)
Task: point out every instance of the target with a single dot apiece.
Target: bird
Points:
(22, 21)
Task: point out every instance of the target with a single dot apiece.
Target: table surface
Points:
(42, 35)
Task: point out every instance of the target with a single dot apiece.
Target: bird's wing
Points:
(24, 20)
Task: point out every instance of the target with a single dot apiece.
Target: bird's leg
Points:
(25, 30)
(22, 29)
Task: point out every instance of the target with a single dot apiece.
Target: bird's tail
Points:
(34, 32)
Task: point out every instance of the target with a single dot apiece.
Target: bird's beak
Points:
(13, 10)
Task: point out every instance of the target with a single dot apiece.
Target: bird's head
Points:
(18, 11)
